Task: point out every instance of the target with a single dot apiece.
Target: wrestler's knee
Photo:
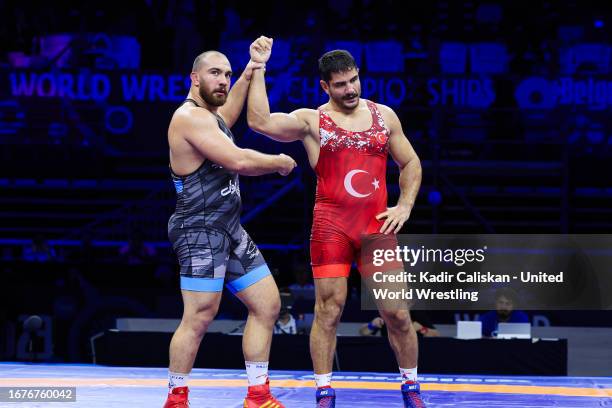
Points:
(198, 320)
(268, 308)
(329, 311)
(396, 319)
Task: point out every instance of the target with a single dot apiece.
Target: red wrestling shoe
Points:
(178, 398)
(259, 397)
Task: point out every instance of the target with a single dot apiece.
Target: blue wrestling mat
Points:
(100, 386)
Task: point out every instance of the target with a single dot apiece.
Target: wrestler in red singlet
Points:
(351, 195)
(351, 191)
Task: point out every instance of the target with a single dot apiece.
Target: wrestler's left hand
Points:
(395, 217)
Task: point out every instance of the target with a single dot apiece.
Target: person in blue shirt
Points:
(505, 302)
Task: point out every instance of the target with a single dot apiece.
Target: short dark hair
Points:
(200, 58)
(335, 61)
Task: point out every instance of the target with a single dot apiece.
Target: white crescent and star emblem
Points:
(349, 186)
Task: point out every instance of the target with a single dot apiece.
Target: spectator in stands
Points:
(506, 300)
(39, 251)
(286, 323)
(420, 321)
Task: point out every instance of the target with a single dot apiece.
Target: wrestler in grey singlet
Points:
(205, 230)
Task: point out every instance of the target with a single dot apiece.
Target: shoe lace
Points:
(325, 402)
(415, 398)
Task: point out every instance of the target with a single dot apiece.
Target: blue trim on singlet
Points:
(178, 185)
(249, 279)
(202, 284)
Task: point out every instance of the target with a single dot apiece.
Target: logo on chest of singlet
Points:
(348, 184)
(233, 188)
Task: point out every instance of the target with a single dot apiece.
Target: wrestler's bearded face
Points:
(214, 94)
(214, 79)
(344, 88)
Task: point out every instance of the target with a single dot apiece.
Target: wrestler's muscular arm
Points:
(230, 111)
(282, 127)
(201, 130)
(410, 173)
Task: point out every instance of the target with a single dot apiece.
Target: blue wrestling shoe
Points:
(411, 392)
(326, 398)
